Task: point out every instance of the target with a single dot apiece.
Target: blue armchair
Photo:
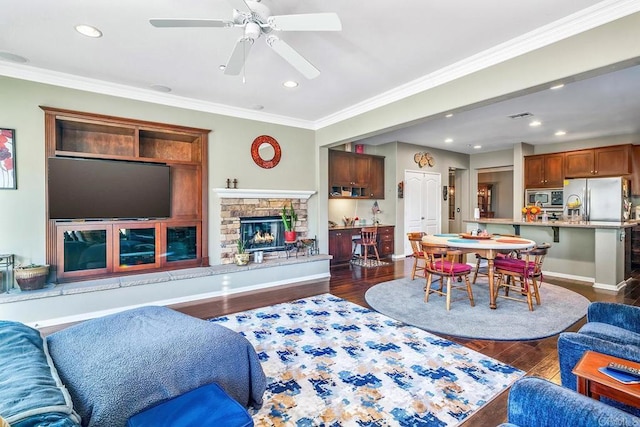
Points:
(611, 328)
(535, 402)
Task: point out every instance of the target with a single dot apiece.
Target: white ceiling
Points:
(383, 48)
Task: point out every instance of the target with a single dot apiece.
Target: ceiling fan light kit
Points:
(256, 20)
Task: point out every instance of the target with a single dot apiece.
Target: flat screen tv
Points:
(107, 189)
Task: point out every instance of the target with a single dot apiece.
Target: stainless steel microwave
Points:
(546, 198)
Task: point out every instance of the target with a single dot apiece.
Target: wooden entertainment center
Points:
(79, 248)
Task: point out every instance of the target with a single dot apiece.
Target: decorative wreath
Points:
(423, 159)
(255, 152)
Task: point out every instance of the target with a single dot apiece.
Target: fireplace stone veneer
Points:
(232, 209)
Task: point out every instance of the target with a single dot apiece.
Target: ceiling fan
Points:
(256, 20)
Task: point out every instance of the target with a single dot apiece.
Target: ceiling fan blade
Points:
(238, 56)
(293, 57)
(240, 6)
(190, 23)
(306, 22)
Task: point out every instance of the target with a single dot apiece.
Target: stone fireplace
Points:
(259, 212)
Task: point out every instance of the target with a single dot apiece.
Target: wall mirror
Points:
(266, 152)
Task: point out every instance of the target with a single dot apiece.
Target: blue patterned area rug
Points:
(333, 363)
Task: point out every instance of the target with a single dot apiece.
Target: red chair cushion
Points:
(514, 265)
(454, 268)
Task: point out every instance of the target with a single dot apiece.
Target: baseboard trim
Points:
(607, 287)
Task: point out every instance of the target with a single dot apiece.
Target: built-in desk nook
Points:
(341, 242)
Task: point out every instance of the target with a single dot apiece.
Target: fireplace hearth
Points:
(262, 233)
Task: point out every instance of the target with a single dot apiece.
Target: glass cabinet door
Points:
(85, 248)
(137, 246)
(182, 242)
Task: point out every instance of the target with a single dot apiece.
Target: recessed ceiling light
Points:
(556, 87)
(222, 67)
(535, 123)
(448, 140)
(449, 115)
(560, 133)
(290, 84)
(477, 147)
(88, 30)
(161, 88)
(13, 57)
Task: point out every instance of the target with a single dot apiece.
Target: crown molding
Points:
(232, 193)
(579, 22)
(70, 81)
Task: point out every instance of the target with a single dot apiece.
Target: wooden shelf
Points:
(93, 136)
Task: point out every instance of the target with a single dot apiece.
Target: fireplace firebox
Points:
(262, 233)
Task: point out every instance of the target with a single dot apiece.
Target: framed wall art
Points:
(7, 159)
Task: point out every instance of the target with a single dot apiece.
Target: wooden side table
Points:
(593, 383)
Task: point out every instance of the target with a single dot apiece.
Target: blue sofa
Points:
(135, 367)
(535, 402)
(611, 328)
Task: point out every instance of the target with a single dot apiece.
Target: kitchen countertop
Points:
(559, 223)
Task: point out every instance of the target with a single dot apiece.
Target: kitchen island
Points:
(587, 251)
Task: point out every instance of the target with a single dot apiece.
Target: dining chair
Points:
(482, 264)
(525, 274)
(368, 239)
(415, 239)
(443, 262)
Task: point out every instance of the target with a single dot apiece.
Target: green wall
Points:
(22, 216)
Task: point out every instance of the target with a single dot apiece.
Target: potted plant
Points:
(31, 276)
(289, 218)
(242, 257)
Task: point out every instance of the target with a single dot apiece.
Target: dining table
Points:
(488, 246)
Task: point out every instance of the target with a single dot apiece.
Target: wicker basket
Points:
(31, 278)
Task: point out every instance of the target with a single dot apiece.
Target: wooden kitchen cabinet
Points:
(634, 250)
(354, 175)
(544, 170)
(635, 168)
(484, 200)
(376, 180)
(603, 161)
(340, 244)
(349, 169)
(386, 241)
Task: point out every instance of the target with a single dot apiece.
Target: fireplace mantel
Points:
(234, 193)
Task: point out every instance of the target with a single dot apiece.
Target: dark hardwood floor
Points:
(538, 357)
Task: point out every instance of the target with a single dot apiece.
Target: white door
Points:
(422, 204)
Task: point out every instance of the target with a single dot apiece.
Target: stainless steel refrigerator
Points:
(597, 199)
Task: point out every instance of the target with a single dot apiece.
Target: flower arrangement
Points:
(531, 212)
